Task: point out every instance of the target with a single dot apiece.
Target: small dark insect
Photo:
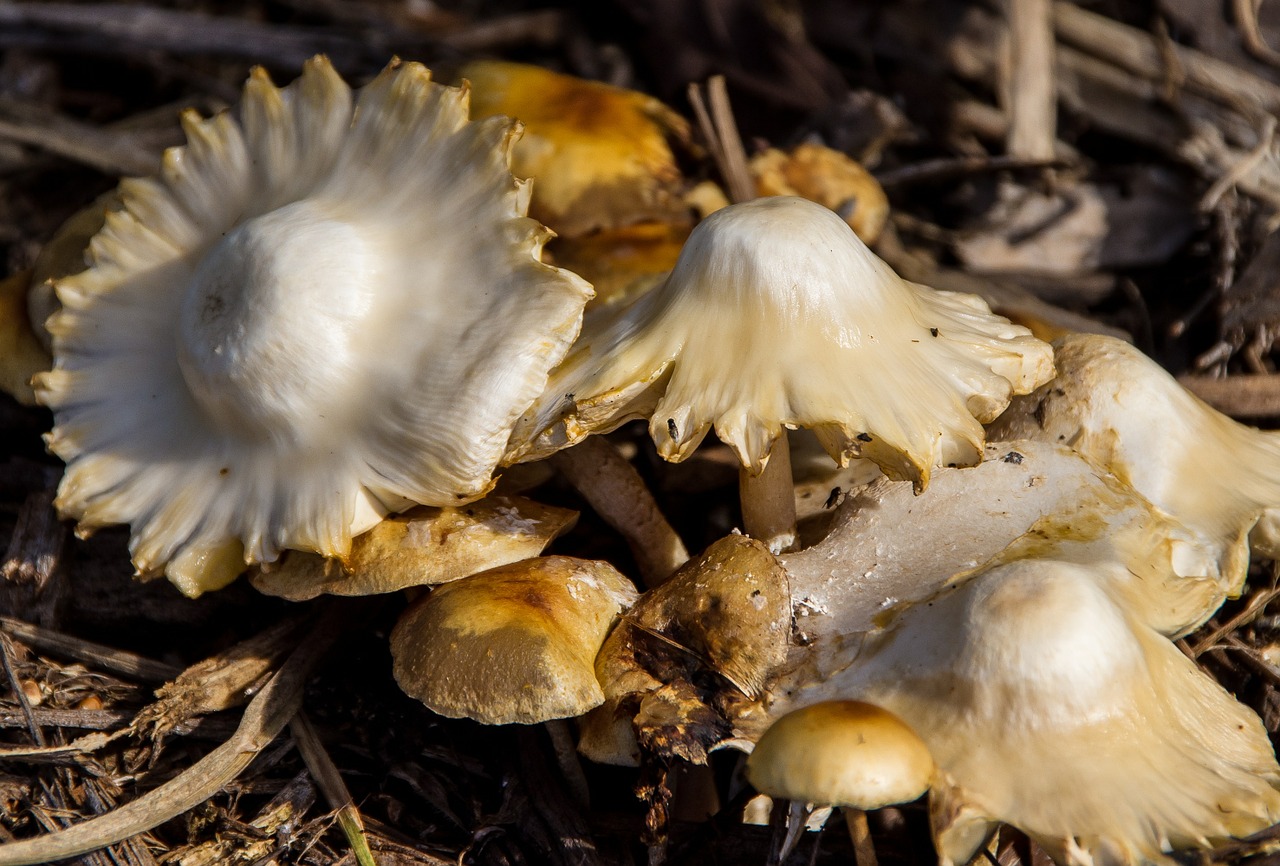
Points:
(568, 398)
(933, 332)
(1012, 457)
(834, 499)
(863, 437)
(672, 430)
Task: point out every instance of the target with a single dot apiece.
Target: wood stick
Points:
(1138, 52)
(1027, 85)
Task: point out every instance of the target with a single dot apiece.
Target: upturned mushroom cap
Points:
(422, 547)
(1052, 709)
(841, 753)
(777, 315)
(598, 154)
(512, 645)
(327, 306)
(1120, 409)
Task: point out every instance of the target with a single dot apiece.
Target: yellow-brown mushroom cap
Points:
(514, 644)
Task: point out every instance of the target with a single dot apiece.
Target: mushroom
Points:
(775, 316)
(828, 177)
(422, 547)
(512, 645)
(598, 154)
(22, 355)
(1120, 409)
(1051, 708)
(326, 307)
(849, 754)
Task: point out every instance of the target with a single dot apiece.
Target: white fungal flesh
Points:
(776, 315)
(326, 306)
(1052, 709)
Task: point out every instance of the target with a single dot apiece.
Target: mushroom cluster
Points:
(311, 342)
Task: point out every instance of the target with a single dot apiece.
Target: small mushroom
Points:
(846, 753)
(326, 307)
(512, 645)
(1120, 409)
(776, 316)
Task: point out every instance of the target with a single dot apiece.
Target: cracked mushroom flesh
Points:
(326, 306)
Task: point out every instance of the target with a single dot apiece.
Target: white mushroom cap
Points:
(841, 753)
(1052, 709)
(515, 644)
(777, 315)
(1120, 409)
(325, 307)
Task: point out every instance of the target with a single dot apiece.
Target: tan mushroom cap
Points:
(598, 154)
(513, 645)
(422, 547)
(841, 753)
(327, 306)
(775, 316)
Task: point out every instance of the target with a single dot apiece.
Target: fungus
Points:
(849, 754)
(1120, 409)
(422, 547)
(598, 154)
(775, 316)
(512, 645)
(22, 355)
(828, 177)
(727, 611)
(326, 307)
(1051, 708)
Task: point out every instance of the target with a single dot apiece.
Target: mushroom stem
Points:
(619, 495)
(768, 502)
(864, 850)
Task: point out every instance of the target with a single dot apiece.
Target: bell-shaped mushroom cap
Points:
(777, 315)
(422, 547)
(325, 307)
(1052, 709)
(1120, 409)
(516, 644)
(841, 753)
(598, 154)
